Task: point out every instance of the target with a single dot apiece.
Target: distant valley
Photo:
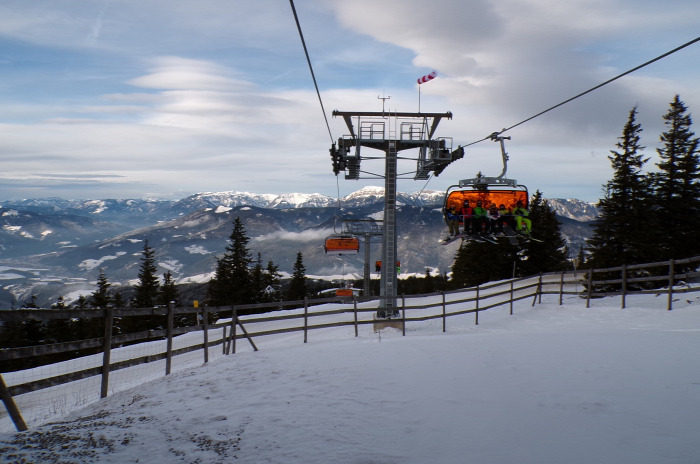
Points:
(52, 247)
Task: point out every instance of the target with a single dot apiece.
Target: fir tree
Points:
(257, 285)
(100, 298)
(550, 254)
(60, 303)
(146, 295)
(168, 291)
(297, 286)
(622, 232)
(428, 284)
(677, 185)
(479, 262)
(231, 282)
(271, 282)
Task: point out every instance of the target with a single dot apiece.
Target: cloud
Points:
(179, 97)
(306, 236)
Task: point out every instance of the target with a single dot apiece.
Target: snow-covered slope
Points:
(551, 384)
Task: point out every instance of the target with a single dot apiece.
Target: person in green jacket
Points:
(523, 224)
(481, 218)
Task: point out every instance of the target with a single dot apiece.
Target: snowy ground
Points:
(550, 384)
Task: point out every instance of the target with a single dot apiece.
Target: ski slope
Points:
(549, 384)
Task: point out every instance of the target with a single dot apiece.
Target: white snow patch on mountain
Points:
(11, 229)
(197, 250)
(172, 265)
(100, 206)
(222, 209)
(90, 264)
(10, 276)
(196, 279)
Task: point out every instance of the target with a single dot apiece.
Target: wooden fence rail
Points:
(442, 306)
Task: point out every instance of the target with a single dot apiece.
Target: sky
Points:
(549, 384)
(162, 99)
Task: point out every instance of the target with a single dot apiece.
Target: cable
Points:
(587, 91)
(296, 18)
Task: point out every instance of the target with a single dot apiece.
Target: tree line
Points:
(650, 216)
(644, 216)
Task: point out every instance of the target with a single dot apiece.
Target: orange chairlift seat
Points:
(489, 190)
(342, 244)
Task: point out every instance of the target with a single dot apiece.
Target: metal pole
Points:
(388, 277)
(368, 275)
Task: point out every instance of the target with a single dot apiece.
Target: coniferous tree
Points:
(81, 303)
(622, 232)
(271, 282)
(257, 281)
(100, 298)
(34, 330)
(231, 282)
(479, 262)
(550, 254)
(428, 283)
(168, 291)
(146, 295)
(60, 303)
(677, 186)
(581, 261)
(297, 286)
(86, 328)
(59, 330)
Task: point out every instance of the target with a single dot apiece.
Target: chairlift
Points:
(488, 190)
(342, 244)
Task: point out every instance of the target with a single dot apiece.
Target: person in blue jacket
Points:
(453, 221)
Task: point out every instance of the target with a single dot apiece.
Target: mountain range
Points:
(51, 247)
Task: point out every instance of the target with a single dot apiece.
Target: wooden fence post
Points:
(354, 309)
(590, 288)
(444, 315)
(561, 289)
(403, 313)
(624, 286)
(511, 297)
(476, 313)
(205, 329)
(169, 343)
(234, 323)
(223, 345)
(538, 292)
(671, 275)
(306, 318)
(106, 351)
(11, 407)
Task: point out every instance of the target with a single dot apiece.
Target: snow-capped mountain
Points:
(55, 247)
(574, 209)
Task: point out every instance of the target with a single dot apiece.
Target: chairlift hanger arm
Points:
(496, 137)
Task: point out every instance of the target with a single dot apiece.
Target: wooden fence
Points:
(325, 313)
